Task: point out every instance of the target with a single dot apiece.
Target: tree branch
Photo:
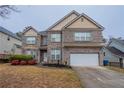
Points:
(6, 10)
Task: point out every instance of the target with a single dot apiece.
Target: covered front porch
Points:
(43, 56)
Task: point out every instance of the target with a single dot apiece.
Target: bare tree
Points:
(6, 10)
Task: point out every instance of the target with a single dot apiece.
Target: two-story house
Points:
(10, 43)
(75, 40)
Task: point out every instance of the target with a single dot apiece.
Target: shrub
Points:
(32, 62)
(21, 57)
(15, 62)
(23, 63)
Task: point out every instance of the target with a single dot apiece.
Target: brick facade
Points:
(67, 51)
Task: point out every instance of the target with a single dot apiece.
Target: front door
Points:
(45, 57)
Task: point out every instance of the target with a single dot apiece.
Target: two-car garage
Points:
(84, 60)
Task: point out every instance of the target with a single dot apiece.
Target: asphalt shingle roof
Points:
(115, 51)
(119, 40)
(43, 33)
(5, 31)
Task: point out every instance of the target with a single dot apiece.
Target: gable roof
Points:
(28, 28)
(88, 18)
(117, 40)
(59, 21)
(115, 51)
(9, 33)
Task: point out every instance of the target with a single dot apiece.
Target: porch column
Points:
(39, 58)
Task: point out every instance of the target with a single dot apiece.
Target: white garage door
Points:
(84, 60)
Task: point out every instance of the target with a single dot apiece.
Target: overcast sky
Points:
(41, 17)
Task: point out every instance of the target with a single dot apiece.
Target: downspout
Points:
(61, 47)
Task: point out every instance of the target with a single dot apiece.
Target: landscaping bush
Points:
(32, 62)
(23, 62)
(21, 57)
(15, 62)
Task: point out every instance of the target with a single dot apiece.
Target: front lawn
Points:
(37, 77)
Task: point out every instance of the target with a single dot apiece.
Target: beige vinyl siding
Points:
(31, 32)
(6, 45)
(28, 34)
(64, 22)
(82, 23)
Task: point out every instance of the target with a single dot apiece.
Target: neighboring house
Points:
(75, 40)
(114, 51)
(9, 42)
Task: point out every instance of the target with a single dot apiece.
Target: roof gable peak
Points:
(28, 28)
(88, 18)
(66, 16)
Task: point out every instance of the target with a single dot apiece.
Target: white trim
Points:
(55, 37)
(82, 36)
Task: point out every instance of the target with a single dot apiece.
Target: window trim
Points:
(31, 42)
(85, 37)
(56, 38)
(54, 53)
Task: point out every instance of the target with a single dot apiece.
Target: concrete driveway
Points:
(100, 77)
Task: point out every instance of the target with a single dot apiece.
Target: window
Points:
(82, 36)
(55, 38)
(55, 54)
(31, 40)
(44, 41)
